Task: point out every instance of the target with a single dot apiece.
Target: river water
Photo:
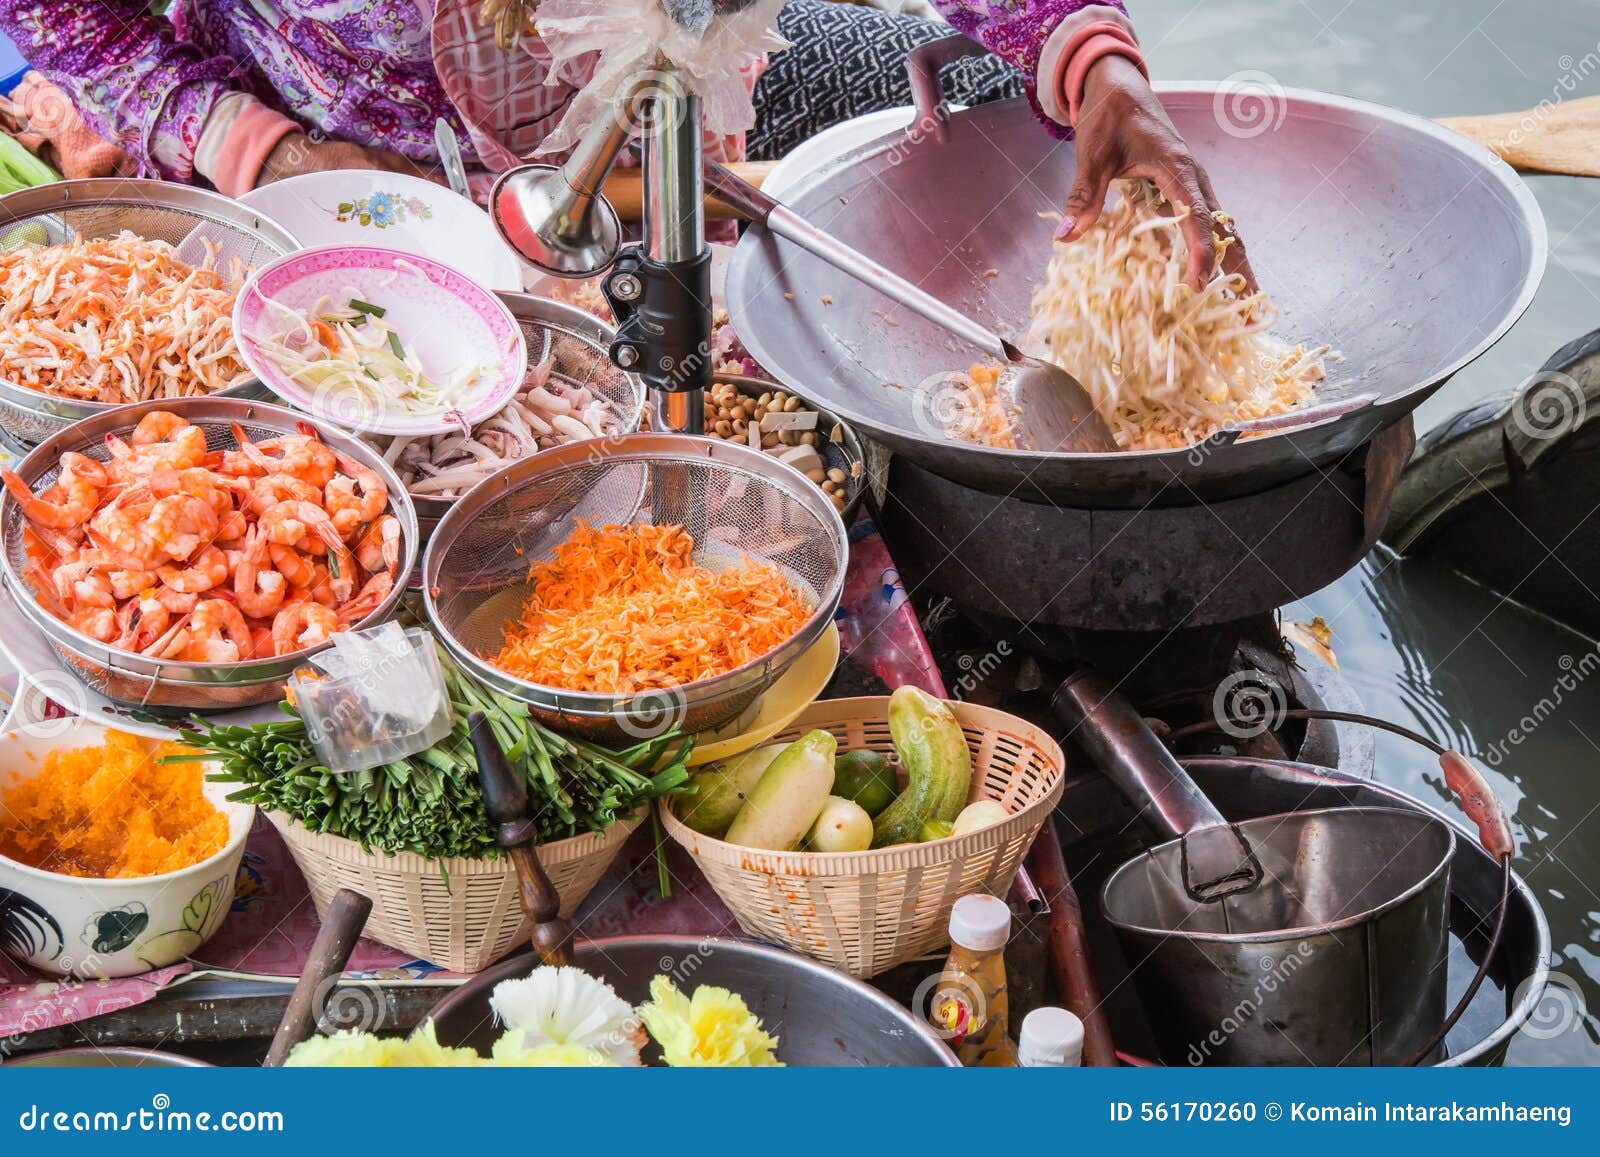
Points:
(1422, 645)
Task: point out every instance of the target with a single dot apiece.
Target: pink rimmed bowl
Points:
(445, 318)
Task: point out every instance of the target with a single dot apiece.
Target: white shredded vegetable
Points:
(345, 351)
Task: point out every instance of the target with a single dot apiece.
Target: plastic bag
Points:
(627, 37)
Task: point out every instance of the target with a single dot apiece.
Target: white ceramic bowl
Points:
(69, 925)
(446, 319)
(368, 207)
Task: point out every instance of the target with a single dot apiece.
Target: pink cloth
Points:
(255, 132)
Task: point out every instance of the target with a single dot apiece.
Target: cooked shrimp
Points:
(299, 570)
(367, 600)
(162, 438)
(351, 510)
(378, 549)
(292, 523)
(301, 456)
(198, 482)
(208, 571)
(157, 426)
(143, 624)
(216, 633)
(97, 622)
(79, 585)
(177, 602)
(78, 485)
(179, 525)
(302, 625)
(257, 588)
(275, 488)
(129, 584)
(231, 529)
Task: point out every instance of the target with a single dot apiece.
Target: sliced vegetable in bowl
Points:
(380, 341)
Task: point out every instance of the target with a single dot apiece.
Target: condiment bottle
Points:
(970, 1002)
(1051, 1038)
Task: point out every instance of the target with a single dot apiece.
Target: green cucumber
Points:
(865, 776)
(717, 793)
(786, 801)
(937, 763)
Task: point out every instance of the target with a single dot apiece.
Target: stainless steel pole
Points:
(674, 221)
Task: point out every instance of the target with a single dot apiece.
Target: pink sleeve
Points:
(1016, 31)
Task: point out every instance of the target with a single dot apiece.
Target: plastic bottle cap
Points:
(1050, 1037)
(981, 923)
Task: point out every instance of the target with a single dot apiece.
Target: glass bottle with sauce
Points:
(1051, 1038)
(969, 1005)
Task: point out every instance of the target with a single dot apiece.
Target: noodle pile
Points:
(1166, 366)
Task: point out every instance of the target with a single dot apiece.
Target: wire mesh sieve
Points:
(197, 223)
(578, 342)
(139, 680)
(735, 502)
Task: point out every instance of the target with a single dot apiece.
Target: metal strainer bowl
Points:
(185, 217)
(734, 501)
(578, 341)
(156, 684)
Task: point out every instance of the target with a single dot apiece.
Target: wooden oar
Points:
(1556, 138)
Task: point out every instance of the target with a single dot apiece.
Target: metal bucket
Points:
(1095, 811)
(1336, 958)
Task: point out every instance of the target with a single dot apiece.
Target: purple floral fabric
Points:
(1015, 30)
(359, 70)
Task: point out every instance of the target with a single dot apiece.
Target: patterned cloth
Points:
(848, 61)
(359, 70)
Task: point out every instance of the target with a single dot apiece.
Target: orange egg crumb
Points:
(111, 812)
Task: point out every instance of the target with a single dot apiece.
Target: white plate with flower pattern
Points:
(368, 207)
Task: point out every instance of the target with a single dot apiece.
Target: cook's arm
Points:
(1030, 34)
(125, 70)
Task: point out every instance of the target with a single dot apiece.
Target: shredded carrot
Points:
(111, 812)
(625, 608)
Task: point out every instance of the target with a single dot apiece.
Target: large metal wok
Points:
(1408, 248)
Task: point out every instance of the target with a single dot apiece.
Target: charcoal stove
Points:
(1175, 602)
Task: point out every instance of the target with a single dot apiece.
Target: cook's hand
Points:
(1123, 131)
(297, 153)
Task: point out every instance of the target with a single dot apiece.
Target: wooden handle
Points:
(625, 190)
(336, 939)
(505, 798)
(1069, 953)
(1556, 138)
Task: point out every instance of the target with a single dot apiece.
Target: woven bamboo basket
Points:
(865, 912)
(463, 925)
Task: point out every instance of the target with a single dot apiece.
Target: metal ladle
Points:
(1057, 411)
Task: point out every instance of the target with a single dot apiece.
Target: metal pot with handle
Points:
(1308, 938)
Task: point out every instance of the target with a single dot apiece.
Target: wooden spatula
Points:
(1559, 138)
